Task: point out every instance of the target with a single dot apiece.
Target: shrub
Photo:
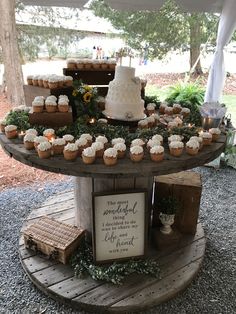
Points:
(189, 95)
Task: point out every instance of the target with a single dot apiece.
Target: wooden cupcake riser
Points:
(179, 264)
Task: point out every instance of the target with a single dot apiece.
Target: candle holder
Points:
(21, 135)
(208, 123)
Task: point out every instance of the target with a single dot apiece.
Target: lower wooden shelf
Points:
(179, 264)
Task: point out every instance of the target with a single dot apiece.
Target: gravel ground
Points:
(212, 292)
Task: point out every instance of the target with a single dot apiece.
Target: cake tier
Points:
(124, 73)
(125, 111)
(124, 92)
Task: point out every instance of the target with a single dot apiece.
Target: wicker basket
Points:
(53, 238)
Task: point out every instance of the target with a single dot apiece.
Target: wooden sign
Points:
(119, 225)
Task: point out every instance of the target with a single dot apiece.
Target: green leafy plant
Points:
(18, 118)
(168, 205)
(82, 262)
(85, 97)
(189, 95)
(152, 99)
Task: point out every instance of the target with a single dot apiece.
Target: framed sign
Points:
(119, 225)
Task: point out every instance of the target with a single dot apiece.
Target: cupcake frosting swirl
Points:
(71, 147)
(44, 146)
(137, 149)
(176, 144)
(157, 149)
(110, 152)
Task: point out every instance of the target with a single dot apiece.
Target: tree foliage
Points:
(44, 30)
(157, 33)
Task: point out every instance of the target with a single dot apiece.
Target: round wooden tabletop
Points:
(124, 168)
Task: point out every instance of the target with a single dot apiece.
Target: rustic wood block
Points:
(53, 119)
(53, 238)
(186, 187)
(32, 91)
(166, 241)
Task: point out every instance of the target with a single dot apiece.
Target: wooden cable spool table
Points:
(179, 264)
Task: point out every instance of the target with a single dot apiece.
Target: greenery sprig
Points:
(168, 205)
(82, 262)
(18, 118)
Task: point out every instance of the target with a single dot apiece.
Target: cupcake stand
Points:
(179, 263)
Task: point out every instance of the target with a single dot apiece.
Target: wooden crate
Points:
(186, 187)
(53, 238)
(31, 92)
(52, 119)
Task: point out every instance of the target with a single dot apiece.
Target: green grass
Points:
(229, 100)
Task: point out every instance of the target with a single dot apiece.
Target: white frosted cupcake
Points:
(157, 153)
(169, 110)
(177, 108)
(38, 140)
(117, 140)
(176, 148)
(39, 98)
(68, 138)
(89, 155)
(29, 79)
(82, 143)
(44, 150)
(70, 151)
(192, 147)
(156, 117)
(58, 146)
(50, 105)
(49, 133)
(88, 137)
(38, 106)
(110, 157)
(215, 132)
(53, 82)
(35, 80)
(63, 105)
(185, 112)
(52, 97)
(99, 148)
(198, 139)
(121, 150)
(137, 142)
(71, 64)
(178, 121)
(11, 131)
(31, 131)
(152, 143)
(151, 121)
(65, 97)
(68, 80)
(102, 139)
(143, 124)
(136, 153)
(151, 108)
(158, 137)
(174, 138)
(207, 138)
(162, 108)
(3, 124)
(29, 141)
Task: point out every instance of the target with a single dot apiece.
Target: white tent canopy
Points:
(227, 25)
(186, 5)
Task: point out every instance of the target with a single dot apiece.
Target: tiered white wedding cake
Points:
(123, 100)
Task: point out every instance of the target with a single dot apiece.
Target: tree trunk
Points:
(10, 51)
(195, 42)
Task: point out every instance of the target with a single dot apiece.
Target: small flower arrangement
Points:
(85, 100)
